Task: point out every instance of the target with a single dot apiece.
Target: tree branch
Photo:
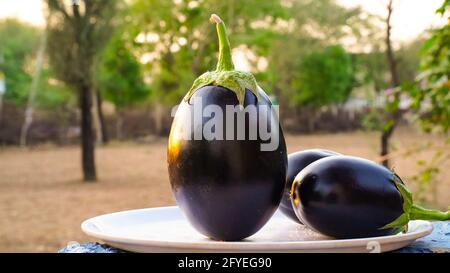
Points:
(55, 5)
(390, 54)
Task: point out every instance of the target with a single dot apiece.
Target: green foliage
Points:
(408, 59)
(324, 77)
(431, 93)
(51, 93)
(186, 45)
(370, 70)
(120, 77)
(426, 176)
(372, 120)
(18, 43)
(181, 43)
(76, 35)
(290, 36)
(312, 27)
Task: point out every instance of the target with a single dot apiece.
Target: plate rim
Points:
(246, 245)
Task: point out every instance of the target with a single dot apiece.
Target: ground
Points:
(43, 200)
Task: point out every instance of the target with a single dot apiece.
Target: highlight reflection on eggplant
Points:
(227, 189)
(296, 162)
(350, 197)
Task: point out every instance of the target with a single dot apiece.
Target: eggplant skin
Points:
(227, 189)
(296, 162)
(347, 197)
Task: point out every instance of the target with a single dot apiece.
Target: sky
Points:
(27, 10)
(410, 17)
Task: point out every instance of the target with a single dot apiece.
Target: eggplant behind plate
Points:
(350, 197)
(296, 162)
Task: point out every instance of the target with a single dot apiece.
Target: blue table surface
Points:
(437, 242)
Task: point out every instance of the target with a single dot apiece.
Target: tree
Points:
(430, 92)
(33, 90)
(18, 44)
(175, 42)
(310, 26)
(120, 78)
(394, 113)
(104, 137)
(324, 77)
(2, 85)
(76, 34)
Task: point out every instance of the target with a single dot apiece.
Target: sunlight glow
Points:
(410, 18)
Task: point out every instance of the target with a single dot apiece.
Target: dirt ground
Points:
(43, 200)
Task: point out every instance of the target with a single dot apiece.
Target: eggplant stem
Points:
(420, 213)
(225, 62)
(225, 75)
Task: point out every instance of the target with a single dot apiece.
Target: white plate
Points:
(166, 230)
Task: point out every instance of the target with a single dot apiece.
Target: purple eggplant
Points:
(351, 197)
(296, 162)
(227, 188)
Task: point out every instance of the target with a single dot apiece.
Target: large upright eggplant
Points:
(350, 197)
(230, 183)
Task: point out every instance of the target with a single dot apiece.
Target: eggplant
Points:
(296, 162)
(227, 187)
(350, 197)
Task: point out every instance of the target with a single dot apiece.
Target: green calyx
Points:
(412, 211)
(401, 223)
(225, 75)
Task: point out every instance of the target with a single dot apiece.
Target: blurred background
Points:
(86, 90)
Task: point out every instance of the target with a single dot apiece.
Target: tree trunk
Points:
(87, 135)
(385, 136)
(32, 94)
(96, 120)
(119, 125)
(312, 114)
(158, 115)
(101, 118)
(98, 117)
(2, 85)
(1, 108)
(389, 51)
(395, 117)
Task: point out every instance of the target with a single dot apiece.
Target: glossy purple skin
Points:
(347, 197)
(227, 189)
(296, 162)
